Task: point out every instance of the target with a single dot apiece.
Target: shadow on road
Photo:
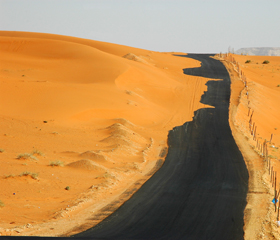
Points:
(203, 70)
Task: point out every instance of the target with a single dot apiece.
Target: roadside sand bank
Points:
(98, 112)
(262, 96)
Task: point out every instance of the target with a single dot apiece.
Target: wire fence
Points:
(261, 145)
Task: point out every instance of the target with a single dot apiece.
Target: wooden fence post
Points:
(275, 191)
(254, 133)
(278, 209)
(275, 199)
(266, 150)
(274, 180)
(272, 177)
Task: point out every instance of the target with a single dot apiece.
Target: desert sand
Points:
(255, 95)
(83, 124)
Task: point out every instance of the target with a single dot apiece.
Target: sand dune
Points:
(93, 156)
(93, 119)
(86, 164)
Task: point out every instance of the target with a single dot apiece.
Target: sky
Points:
(190, 26)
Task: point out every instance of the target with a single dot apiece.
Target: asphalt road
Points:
(200, 191)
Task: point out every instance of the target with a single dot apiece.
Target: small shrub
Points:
(2, 150)
(265, 62)
(67, 188)
(56, 164)
(37, 152)
(33, 175)
(2, 204)
(9, 176)
(26, 156)
(248, 61)
(278, 85)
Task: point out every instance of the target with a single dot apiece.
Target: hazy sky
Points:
(194, 26)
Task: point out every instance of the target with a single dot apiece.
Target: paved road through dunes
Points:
(200, 191)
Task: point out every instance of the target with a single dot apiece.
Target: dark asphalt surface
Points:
(200, 191)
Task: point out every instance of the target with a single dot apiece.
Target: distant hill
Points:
(260, 51)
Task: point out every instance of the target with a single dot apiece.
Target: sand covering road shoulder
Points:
(83, 124)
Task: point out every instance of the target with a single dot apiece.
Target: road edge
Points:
(258, 221)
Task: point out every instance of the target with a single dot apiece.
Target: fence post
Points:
(255, 137)
(278, 209)
(275, 191)
(272, 175)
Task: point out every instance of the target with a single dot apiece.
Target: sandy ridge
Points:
(100, 111)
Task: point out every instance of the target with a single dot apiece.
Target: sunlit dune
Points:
(81, 121)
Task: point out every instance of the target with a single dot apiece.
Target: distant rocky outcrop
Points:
(260, 51)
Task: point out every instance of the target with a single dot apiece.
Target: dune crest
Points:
(94, 156)
(86, 164)
(56, 56)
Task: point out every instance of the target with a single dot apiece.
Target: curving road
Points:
(200, 191)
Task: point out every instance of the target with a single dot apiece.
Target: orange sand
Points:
(103, 110)
(263, 87)
(264, 96)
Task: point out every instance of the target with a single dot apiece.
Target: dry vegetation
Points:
(27, 156)
(56, 163)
